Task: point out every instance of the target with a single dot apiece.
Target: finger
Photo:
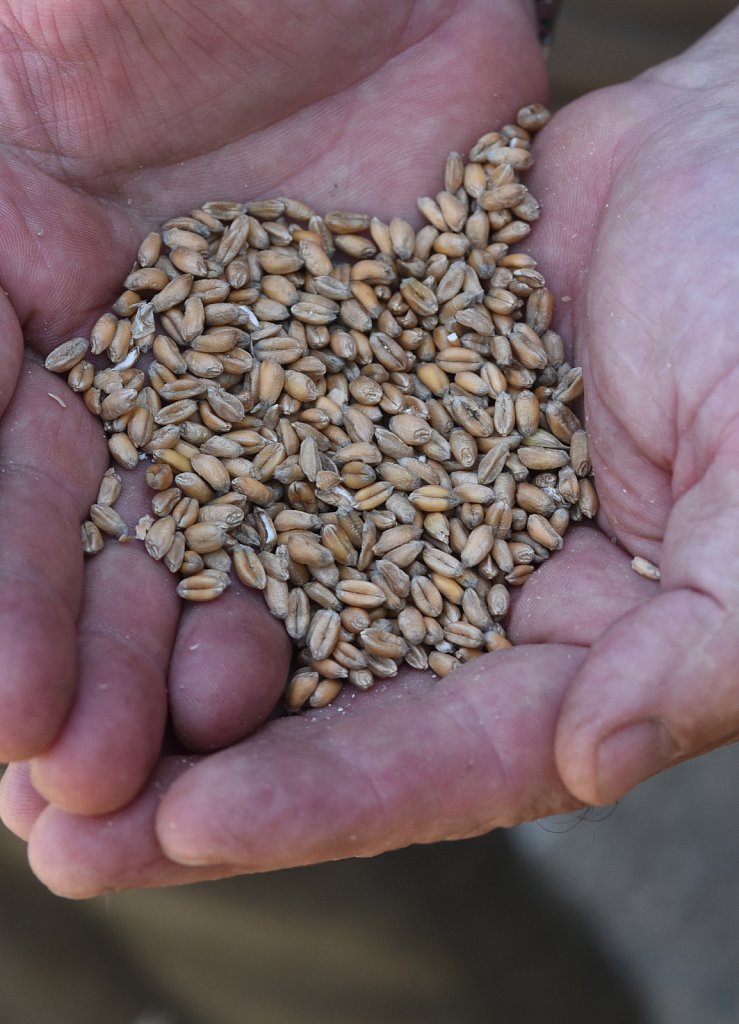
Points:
(20, 804)
(79, 857)
(659, 687)
(578, 593)
(113, 733)
(229, 667)
(661, 684)
(42, 502)
(416, 760)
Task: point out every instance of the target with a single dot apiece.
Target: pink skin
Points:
(415, 760)
(75, 155)
(637, 185)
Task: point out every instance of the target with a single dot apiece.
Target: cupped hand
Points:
(114, 118)
(654, 313)
(639, 231)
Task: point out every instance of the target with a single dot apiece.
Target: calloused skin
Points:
(117, 116)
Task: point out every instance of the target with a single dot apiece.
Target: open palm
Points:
(413, 760)
(117, 116)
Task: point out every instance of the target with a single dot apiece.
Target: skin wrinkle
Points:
(650, 703)
(58, 67)
(24, 79)
(35, 247)
(115, 193)
(720, 619)
(687, 526)
(49, 27)
(610, 405)
(175, 8)
(613, 402)
(383, 806)
(618, 154)
(301, 114)
(685, 570)
(378, 805)
(30, 249)
(269, 45)
(20, 804)
(583, 645)
(310, 732)
(70, 513)
(541, 804)
(506, 779)
(86, 117)
(696, 434)
(148, 653)
(577, 320)
(196, 40)
(499, 770)
(149, 114)
(582, 411)
(16, 581)
(331, 12)
(615, 480)
(685, 418)
(609, 401)
(682, 727)
(67, 173)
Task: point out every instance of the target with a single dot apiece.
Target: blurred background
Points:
(599, 42)
(625, 917)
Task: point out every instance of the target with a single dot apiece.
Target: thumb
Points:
(662, 684)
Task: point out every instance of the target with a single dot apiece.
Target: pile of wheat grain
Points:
(369, 423)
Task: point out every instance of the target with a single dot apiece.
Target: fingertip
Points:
(69, 774)
(74, 884)
(81, 857)
(658, 687)
(113, 733)
(70, 855)
(112, 738)
(229, 667)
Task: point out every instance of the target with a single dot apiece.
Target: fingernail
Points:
(630, 755)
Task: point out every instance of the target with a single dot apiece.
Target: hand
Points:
(654, 315)
(636, 170)
(114, 118)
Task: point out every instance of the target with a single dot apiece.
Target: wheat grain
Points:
(369, 422)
